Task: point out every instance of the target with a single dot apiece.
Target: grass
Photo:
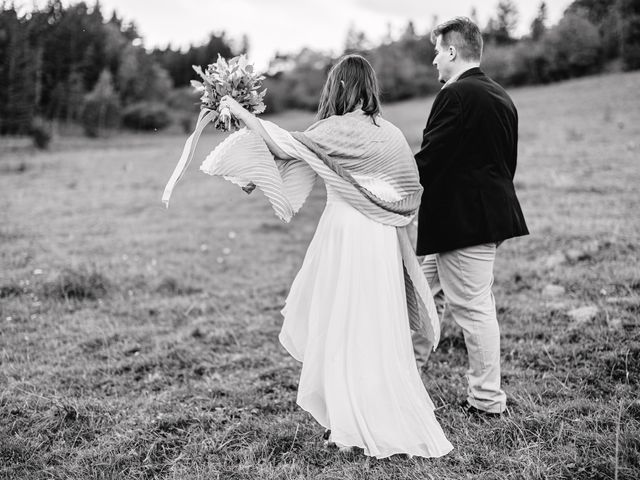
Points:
(137, 342)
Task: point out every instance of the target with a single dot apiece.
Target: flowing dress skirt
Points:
(346, 320)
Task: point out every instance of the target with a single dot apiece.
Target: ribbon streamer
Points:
(187, 154)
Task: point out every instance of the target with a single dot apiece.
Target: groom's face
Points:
(442, 60)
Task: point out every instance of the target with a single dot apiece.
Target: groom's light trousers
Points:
(464, 278)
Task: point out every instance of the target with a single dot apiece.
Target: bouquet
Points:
(236, 78)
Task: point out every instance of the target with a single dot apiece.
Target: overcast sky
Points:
(288, 25)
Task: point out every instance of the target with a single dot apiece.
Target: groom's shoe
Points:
(472, 411)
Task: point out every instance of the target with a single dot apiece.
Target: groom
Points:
(467, 162)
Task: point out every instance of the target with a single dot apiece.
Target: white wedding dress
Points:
(346, 319)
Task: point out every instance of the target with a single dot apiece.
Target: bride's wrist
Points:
(243, 115)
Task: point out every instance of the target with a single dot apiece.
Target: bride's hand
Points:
(234, 107)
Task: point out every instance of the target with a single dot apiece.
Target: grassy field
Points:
(139, 342)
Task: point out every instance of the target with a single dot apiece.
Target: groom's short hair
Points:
(463, 34)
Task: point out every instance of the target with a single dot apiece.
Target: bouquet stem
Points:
(225, 118)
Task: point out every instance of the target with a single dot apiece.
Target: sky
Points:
(288, 25)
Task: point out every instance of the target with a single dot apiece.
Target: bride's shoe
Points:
(327, 439)
(329, 444)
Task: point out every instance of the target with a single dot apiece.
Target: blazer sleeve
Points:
(441, 134)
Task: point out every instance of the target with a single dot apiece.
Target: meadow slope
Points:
(139, 342)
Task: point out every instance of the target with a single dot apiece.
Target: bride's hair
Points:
(351, 84)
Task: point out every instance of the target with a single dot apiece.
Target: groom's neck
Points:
(462, 67)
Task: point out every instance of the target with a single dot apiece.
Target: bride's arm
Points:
(253, 124)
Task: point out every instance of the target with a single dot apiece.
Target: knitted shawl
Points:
(369, 164)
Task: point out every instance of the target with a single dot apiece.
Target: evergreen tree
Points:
(629, 21)
(573, 47)
(500, 30)
(473, 16)
(538, 26)
(101, 110)
(245, 45)
(356, 41)
(618, 22)
(19, 63)
(409, 34)
(593, 10)
(178, 64)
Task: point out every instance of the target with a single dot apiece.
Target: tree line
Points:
(72, 64)
(591, 37)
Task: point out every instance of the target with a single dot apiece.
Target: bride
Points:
(360, 290)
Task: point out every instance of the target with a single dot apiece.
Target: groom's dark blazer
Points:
(467, 162)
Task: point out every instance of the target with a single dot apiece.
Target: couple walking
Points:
(361, 309)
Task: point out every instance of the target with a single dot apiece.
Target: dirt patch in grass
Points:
(81, 283)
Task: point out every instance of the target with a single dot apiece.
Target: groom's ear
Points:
(453, 53)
